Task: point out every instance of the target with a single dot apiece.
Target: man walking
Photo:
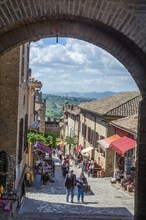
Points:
(70, 183)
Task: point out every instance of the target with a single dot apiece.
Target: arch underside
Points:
(100, 35)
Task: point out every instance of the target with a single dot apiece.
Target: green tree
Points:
(71, 141)
(47, 139)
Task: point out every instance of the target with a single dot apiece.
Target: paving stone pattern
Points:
(49, 201)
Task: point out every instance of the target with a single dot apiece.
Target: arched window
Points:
(20, 140)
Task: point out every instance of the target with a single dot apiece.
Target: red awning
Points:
(78, 148)
(105, 143)
(122, 145)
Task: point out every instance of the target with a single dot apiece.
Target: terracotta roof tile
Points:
(122, 104)
(75, 111)
(129, 123)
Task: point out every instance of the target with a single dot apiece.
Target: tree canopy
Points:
(47, 139)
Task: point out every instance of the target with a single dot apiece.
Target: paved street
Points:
(103, 200)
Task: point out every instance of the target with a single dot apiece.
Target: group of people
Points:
(129, 183)
(86, 164)
(71, 182)
(47, 168)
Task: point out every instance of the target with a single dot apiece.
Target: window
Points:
(89, 134)
(85, 132)
(92, 137)
(20, 140)
(3, 180)
(3, 162)
(24, 100)
(25, 132)
(3, 168)
(22, 63)
(102, 152)
(83, 128)
(102, 137)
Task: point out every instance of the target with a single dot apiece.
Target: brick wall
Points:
(13, 102)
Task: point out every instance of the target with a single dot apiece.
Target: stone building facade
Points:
(40, 111)
(127, 127)
(70, 125)
(94, 124)
(33, 85)
(52, 127)
(33, 124)
(15, 116)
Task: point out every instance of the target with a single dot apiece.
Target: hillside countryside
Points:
(55, 102)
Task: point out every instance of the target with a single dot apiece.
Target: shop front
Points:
(124, 155)
(106, 155)
(87, 152)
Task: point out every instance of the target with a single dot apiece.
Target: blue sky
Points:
(75, 65)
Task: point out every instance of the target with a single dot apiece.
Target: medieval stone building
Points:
(14, 115)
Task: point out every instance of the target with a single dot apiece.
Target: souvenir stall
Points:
(45, 164)
(124, 155)
(105, 154)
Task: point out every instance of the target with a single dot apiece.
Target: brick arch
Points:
(125, 16)
(109, 41)
(116, 26)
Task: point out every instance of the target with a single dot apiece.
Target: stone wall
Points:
(13, 102)
(52, 128)
(9, 81)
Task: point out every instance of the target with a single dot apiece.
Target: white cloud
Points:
(65, 76)
(77, 66)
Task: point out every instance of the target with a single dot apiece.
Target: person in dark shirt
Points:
(70, 183)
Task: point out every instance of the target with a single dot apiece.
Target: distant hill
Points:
(88, 95)
(55, 101)
(54, 104)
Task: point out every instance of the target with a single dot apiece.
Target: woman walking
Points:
(81, 183)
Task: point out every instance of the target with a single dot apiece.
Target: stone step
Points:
(69, 216)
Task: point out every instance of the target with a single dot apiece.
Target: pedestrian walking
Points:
(70, 183)
(54, 152)
(84, 164)
(91, 168)
(81, 183)
(65, 169)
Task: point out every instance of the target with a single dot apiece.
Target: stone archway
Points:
(116, 26)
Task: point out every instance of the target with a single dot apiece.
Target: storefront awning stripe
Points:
(105, 143)
(43, 148)
(122, 145)
(87, 150)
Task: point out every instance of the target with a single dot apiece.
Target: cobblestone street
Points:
(103, 202)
